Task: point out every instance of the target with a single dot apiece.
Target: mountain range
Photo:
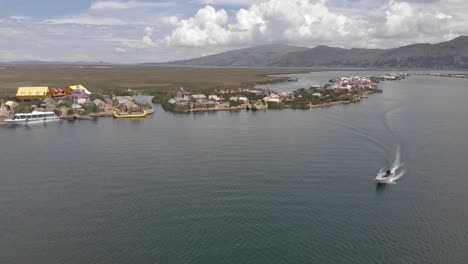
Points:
(444, 55)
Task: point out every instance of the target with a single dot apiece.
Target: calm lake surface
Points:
(287, 186)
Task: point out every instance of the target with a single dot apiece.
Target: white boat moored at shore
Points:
(33, 118)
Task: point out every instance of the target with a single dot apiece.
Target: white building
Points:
(243, 99)
(214, 97)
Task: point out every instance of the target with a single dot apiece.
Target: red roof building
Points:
(58, 92)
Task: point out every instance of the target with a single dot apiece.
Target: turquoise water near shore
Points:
(287, 186)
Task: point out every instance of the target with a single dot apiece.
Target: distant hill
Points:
(450, 54)
(324, 56)
(249, 57)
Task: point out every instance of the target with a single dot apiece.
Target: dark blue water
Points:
(245, 187)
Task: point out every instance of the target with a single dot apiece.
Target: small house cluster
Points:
(354, 87)
(450, 75)
(352, 83)
(74, 99)
(126, 104)
(344, 89)
(394, 76)
(221, 100)
(73, 102)
(43, 92)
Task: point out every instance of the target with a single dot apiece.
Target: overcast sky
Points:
(129, 31)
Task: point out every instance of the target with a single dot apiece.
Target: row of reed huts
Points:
(28, 93)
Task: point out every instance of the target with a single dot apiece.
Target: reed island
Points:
(112, 91)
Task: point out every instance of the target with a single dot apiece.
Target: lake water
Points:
(286, 186)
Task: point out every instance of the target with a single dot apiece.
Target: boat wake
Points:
(397, 170)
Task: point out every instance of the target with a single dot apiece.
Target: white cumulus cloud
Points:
(170, 21)
(207, 27)
(163, 30)
(414, 23)
(147, 39)
(272, 21)
(315, 22)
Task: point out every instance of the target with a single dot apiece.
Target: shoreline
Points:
(194, 110)
(245, 107)
(343, 90)
(337, 91)
(331, 104)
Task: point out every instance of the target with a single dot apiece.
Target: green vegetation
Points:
(122, 93)
(94, 96)
(66, 103)
(300, 103)
(254, 97)
(235, 103)
(7, 96)
(175, 107)
(161, 97)
(25, 107)
(91, 108)
(276, 106)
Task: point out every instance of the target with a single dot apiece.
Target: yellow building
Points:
(78, 86)
(33, 93)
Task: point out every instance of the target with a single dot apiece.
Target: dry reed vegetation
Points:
(151, 80)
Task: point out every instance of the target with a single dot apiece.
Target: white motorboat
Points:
(395, 172)
(33, 118)
(384, 177)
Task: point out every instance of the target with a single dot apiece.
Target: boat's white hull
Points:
(32, 121)
(382, 179)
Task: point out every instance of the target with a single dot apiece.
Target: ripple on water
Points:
(272, 187)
